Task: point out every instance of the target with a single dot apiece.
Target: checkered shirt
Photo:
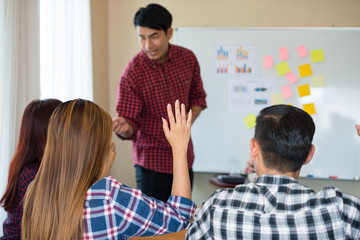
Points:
(12, 224)
(145, 88)
(115, 211)
(277, 207)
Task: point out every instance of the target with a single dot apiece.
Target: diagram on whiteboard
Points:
(239, 60)
(246, 95)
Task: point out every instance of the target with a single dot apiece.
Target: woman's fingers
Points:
(183, 114)
(179, 118)
(165, 127)
(170, 115)
(177, 111)
(189, 119)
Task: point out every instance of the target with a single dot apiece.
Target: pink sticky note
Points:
(291, 77)
(287, 92)
(302, 52)
(284, 55)
(268, 62)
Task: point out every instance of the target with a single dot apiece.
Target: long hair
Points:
(77, 146)
(31, 144)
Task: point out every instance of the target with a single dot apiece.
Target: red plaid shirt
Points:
(145, 88)
(12, 224)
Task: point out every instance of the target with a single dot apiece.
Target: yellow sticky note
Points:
(282, 68)
(317, 55)
(317, 81)
(304, 90)
(305, 70)
(309, 108)
(277, 99)
(250, 120)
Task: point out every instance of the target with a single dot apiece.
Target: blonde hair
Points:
(77, 146)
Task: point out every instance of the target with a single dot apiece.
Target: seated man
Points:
(277, 206)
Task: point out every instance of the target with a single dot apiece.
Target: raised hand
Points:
(178, 135)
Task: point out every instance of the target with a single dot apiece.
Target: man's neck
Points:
(268, 171)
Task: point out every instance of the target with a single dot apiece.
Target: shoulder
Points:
(136, 69)
(28, 174)
(181, 51)
(137, 62)
(342, 200)
(107, 187)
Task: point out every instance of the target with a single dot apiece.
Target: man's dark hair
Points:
(284, 134)
(153, 16)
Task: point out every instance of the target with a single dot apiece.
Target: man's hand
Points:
(122, 127)
(249, 166)
(357, 126)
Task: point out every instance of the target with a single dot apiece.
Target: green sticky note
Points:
(309, 108)
(305, 70)
(304, 90)
(317, 81)
(317, 55)
(250, 120)
(282, 68)
(277, 99)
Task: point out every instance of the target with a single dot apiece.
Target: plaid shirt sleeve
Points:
(349, 207)
(127, 96)
(12, 224)
(200, 228)
(197, 93)
(113, 210)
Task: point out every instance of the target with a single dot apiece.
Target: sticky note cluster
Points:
(305, 75)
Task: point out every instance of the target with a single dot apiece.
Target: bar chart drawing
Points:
(242, 54)
(242, 69)
(236, 59)
(222, 55)
(222, 69)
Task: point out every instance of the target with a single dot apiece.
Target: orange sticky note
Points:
(317, 81)
(277, 99)
(302, 52)
(305, 70)
(304, 90)
(250, 120)
(317, 55)
(282, 68)
(309, 108)
(287, 92)
(284, 55)
(291, 77)
(268, 62)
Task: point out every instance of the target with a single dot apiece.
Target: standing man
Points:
(159, 74)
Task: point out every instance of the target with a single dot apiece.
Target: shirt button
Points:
(154, 66)
(171, 93)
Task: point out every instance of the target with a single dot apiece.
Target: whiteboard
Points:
(220, 134)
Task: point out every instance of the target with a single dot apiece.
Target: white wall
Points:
(115, 42)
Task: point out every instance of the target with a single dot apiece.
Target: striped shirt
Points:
(115, 211)
(277, 207)
(145, 88)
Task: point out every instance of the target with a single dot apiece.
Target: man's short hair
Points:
(153, 16)
(285, 135)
